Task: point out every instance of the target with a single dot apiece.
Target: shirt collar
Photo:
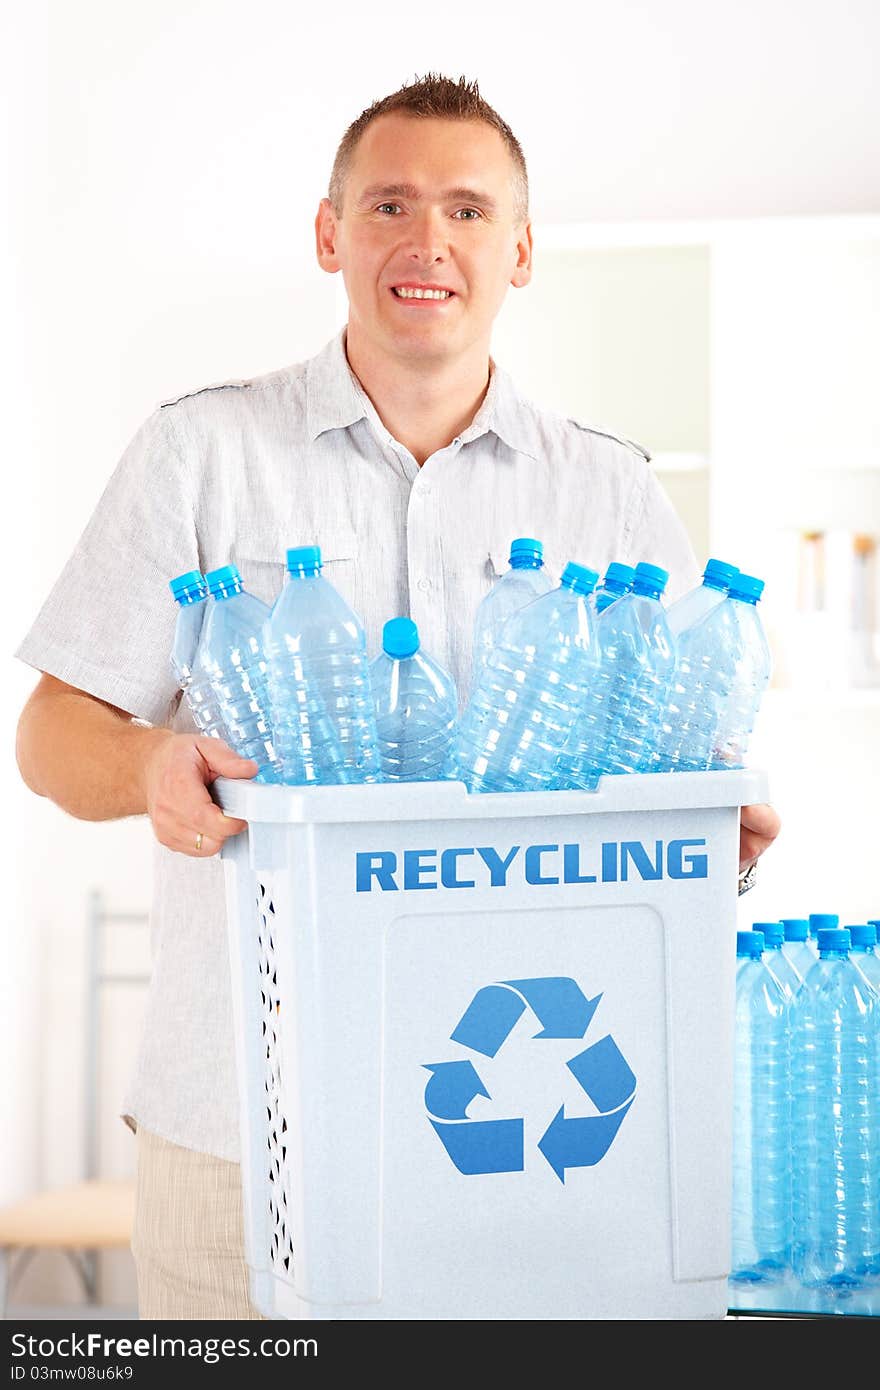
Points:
(335, 399)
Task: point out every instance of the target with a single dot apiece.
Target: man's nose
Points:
(429, 237)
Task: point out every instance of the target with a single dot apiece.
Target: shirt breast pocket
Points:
(263, 564)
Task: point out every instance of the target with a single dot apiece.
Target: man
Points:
(409, 456)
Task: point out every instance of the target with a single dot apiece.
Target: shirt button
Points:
(425, 585)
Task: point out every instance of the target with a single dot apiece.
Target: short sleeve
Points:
(107, 626)
(658, 536)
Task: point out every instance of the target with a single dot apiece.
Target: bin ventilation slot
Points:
(281, 1249)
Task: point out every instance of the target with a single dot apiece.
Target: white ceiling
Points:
(625, 108)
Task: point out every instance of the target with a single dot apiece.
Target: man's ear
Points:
(522, 273)
(326, 226)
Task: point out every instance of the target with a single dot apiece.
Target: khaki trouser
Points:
(187, 1240)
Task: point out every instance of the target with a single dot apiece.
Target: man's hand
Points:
(758, 827)
(177, 774)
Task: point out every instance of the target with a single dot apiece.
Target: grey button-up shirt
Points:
(238, 472)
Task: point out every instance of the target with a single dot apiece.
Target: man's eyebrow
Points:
(380, 191)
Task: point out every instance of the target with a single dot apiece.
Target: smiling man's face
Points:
(428, 203)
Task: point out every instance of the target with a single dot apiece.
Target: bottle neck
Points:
(526, 562)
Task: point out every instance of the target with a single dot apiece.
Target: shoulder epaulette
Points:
(217, 386)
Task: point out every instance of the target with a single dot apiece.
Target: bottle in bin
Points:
(416, 707)
(693, 606)
(228, 694)
(190, 592)
(319, 680)
(618, 580)
(752, 668)
(527, 579)
(529, 691)
(615, 728)
(761, 1198)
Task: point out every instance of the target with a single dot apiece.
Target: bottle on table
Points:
(818, 920)
(761, 1199)
(777, 961)
(834, 1107)
(795, 945)
(416, 707)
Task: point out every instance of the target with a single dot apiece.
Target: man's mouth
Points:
(422, 293)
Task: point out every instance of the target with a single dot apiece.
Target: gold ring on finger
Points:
(199, 842)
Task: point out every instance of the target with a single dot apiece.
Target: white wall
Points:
(165, 163)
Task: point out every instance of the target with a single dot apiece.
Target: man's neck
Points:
(424, 406)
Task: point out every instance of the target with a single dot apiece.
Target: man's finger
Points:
(223, 761)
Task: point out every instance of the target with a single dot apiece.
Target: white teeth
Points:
(422, 294)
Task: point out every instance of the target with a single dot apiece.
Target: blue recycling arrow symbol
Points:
(569, 1141)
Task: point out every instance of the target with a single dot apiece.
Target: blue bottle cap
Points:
(719, 572)
(219, 580)
(749, 943)
(774, 932)
(400, 637)
(863, 934)
(746, 586)
(526, 545)
(619, 574)
(191, 582)
(304, 559)
(650, 579)
(795, 928)
(834, 939)
(822, 919)
(578, 577)
(874, 922)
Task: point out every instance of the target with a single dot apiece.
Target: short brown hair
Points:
(433, 95)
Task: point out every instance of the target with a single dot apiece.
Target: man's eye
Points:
(382, 206)
(472, 211)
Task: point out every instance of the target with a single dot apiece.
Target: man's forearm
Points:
(84, 755)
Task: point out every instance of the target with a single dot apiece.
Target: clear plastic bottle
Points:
(530, 691)
(761, 1202)
(416, 705)
(777, 961)
(527, 579)
(753, 668)
(834, 1098)
(818, 920)
(705, 674)
(795, 945)
(615, 731)
(863, 953)
(617, 582)
(228, 693)
(319, 680)
(189, 591)
(696, 603)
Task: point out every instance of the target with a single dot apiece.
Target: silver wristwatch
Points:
(747, 878)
